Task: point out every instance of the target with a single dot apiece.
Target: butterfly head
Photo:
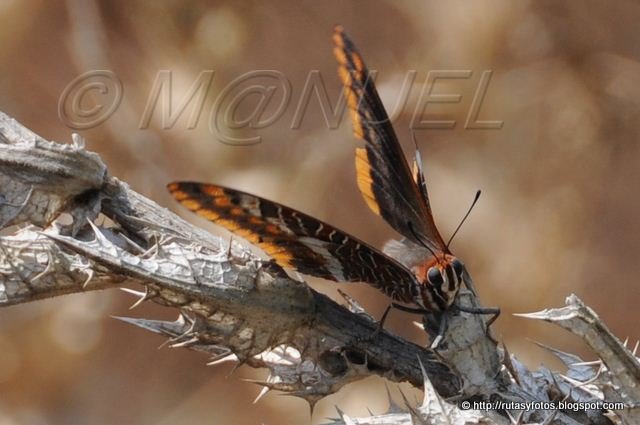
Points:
(441, 278)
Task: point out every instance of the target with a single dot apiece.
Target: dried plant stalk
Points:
(237, 307)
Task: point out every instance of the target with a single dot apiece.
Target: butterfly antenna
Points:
(419, 239)
(465, 217)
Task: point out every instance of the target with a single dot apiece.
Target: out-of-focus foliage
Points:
(558, 214)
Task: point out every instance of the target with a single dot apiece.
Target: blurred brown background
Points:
(558, 214)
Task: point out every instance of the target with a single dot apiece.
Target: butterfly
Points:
(419, 271)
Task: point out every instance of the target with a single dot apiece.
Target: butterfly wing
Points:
(297, 241)
(384, 177)
(418, 178)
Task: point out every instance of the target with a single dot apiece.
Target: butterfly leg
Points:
(494, 311)
(443, 326)
(430, 322)
(379, 327)
(406, 309)
(271, 267)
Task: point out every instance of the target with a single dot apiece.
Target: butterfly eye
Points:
(434, 276)
(457, 266)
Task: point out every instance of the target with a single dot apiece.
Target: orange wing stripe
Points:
(220, 209)
(365, 182)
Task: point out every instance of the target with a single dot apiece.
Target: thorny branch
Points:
(234, 306)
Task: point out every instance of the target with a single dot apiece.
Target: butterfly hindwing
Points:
(384, 177)
(297, 241)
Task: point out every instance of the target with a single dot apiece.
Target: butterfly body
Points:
(419, 271)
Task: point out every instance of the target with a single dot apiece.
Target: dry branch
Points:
(235, 306)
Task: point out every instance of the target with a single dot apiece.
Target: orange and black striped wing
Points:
(297, 241)
(384, 177)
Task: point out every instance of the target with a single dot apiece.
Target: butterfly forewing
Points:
(297, 241)
(384, 177)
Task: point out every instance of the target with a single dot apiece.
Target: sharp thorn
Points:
(222, 358)
(90, 275)
(344, 417)
(99, 235)
(142, 296)
(262, 393)
(187, 343)
(132, 292)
